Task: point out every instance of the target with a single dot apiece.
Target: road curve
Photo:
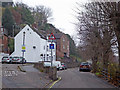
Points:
(72, 78)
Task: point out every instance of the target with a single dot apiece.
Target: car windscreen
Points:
(5, 57)
(15, 57)
(84, 63)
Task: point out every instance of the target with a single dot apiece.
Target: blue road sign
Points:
(51, 46)
(23, 50)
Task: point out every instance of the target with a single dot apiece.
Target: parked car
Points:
(63, 66)
(18, 60)
(85, 66)
(7, 59)
(57, 64)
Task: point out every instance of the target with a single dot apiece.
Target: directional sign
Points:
(51, 37)
(23, 47)
(51, 46)
(23, 50)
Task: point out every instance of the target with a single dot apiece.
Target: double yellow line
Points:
(55, 82)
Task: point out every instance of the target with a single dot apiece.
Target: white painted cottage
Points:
(33, 46)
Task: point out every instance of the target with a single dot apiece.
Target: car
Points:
(63, 66)
(85, 66)
(57, 64)
(7, 59)
(18, 60)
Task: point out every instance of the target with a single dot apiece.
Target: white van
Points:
(55, 63)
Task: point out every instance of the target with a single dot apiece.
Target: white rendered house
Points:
(32, 45)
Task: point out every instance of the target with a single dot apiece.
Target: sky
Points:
(63, 12)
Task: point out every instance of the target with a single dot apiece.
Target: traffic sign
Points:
(51, 46)
(51, 37)
(23, 50)
(23, 47)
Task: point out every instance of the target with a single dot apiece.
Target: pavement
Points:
(72, 78)
(14, 78)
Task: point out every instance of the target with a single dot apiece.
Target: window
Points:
(34, 47)
(47, 47)
(44, 57)
(63, 39)
(44, 47)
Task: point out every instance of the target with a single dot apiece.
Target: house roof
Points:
(58, 35)
(37, 31)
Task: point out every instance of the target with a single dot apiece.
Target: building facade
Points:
(62, 44)
(3, 40)
(32, 45)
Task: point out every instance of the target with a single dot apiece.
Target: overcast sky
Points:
(63, 14)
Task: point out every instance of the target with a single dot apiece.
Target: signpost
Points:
(51, 46)
(23, 46)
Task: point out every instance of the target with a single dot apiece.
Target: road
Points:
(13, 78)
(72, 78)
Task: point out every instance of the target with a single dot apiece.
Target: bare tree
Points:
(42, 15)
(96, 30)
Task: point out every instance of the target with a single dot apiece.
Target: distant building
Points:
(32, 45)
(62, 44)
(3, 40)
(6, 3)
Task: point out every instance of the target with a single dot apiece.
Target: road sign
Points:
(51, 46)
(51, 37)
(23, 50)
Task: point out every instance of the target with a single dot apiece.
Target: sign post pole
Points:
(51, 55)
(51, 37)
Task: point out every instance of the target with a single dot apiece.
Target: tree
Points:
(7, 21)
(42, 15)
(25, 13)
(96, 32)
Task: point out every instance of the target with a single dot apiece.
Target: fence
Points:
(108, 76)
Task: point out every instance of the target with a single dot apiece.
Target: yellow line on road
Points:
(55, 82)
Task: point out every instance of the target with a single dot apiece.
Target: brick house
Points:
(3, 40)
(62, 45)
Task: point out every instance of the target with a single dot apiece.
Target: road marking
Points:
(55, 82)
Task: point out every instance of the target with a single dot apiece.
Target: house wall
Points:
(32, 39)
(62, 46)
(5, 43)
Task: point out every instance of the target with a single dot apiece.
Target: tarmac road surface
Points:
(72, 78)
(12, 77)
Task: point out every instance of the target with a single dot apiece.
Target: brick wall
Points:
(5, 42)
